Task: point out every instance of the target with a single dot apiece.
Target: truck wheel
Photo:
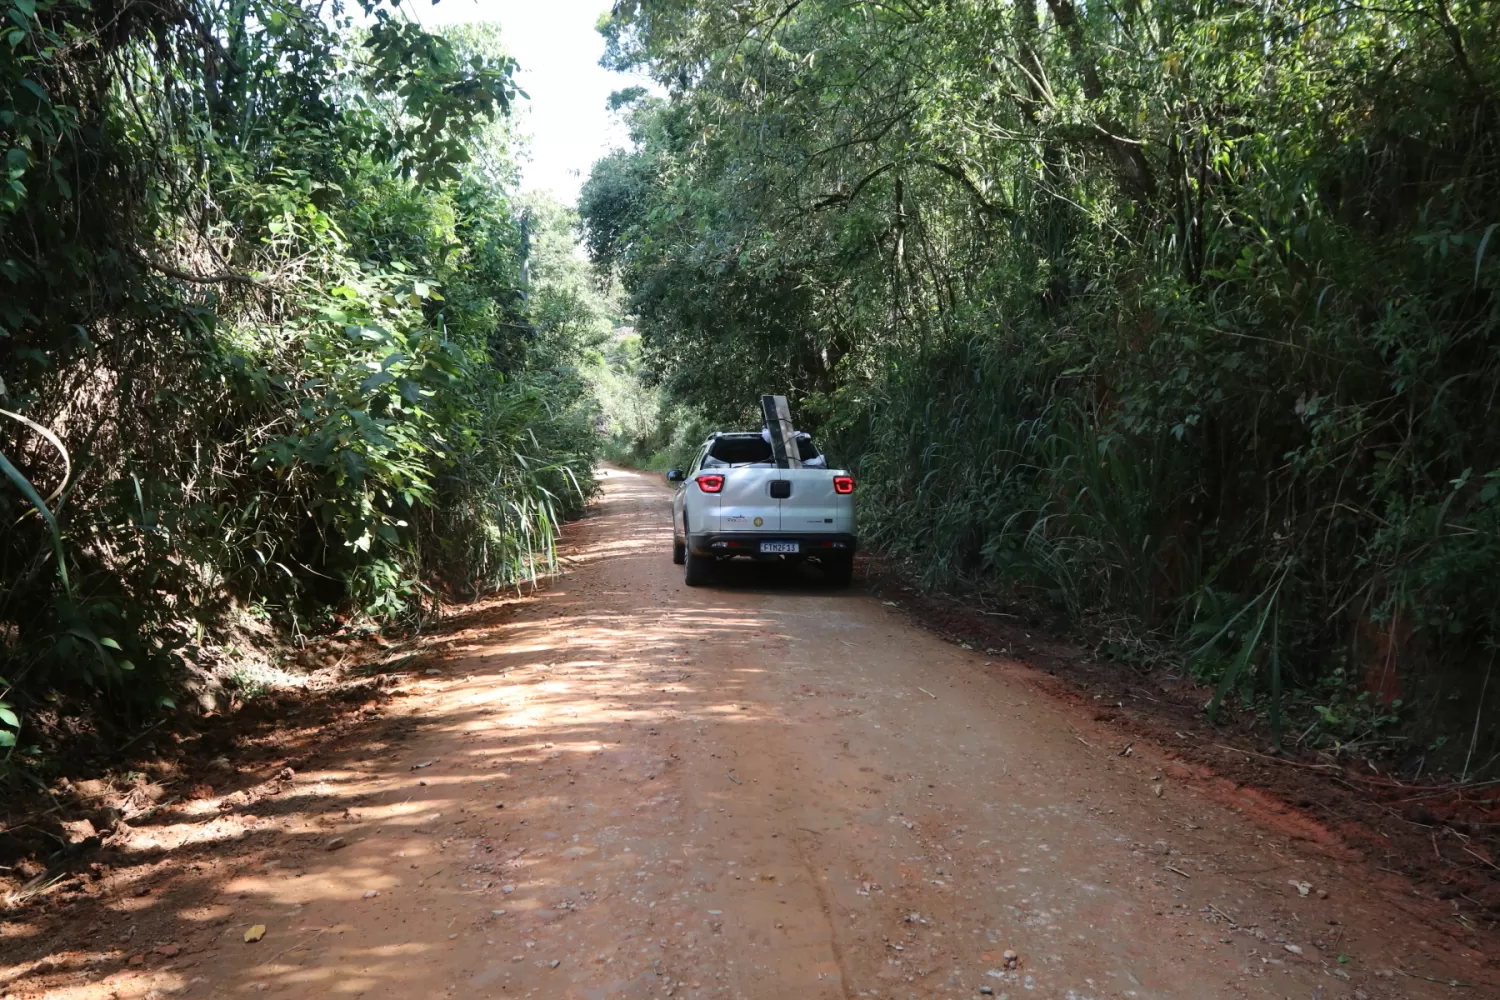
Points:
(697, 570)
(679, 552)
(839, 570)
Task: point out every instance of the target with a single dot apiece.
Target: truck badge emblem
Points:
(759, 521)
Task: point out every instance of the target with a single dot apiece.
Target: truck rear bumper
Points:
(747, 543)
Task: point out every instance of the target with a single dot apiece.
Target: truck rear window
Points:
(753, 451)
(740, 451)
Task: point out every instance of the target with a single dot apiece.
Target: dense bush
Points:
(1180, 315)
(264, 337)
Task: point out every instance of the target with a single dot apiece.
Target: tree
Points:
(262, 342)
(1177, 314)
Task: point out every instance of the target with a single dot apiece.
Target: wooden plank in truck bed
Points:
(783, 436)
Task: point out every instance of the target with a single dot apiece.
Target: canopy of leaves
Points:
(265, 339)
(1180, 314)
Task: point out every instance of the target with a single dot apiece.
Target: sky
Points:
(558, 50)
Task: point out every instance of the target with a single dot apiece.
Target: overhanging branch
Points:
(960, 175)
(223, 278)
(844, 198)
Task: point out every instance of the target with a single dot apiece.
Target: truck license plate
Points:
(767, 548)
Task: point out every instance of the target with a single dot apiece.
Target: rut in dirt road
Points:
(767, 789)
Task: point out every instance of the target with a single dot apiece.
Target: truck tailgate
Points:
(746, 504)
(813, 506)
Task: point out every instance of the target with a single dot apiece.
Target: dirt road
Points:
(765, 789)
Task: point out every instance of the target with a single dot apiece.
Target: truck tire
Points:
(838, 570)
(679, 550)
(697, 570)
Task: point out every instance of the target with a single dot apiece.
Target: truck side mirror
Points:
(675, 475)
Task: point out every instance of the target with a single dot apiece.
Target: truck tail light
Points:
(843, 484)
(713, 484)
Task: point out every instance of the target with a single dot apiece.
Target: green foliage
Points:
(10, 723)
(645, 429)
(266, 337)
(1184, 316)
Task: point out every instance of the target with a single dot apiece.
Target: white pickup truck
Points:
(734, 501)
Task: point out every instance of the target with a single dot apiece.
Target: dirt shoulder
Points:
(1442, 836)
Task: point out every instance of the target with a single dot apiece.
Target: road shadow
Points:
(786, 579)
